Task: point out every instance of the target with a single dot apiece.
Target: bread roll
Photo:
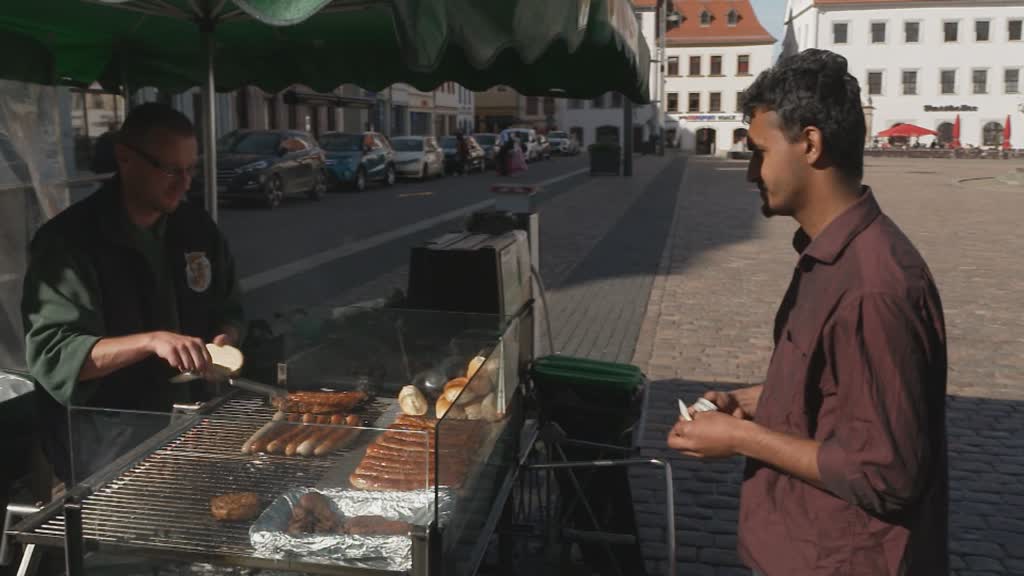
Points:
(489, 408)
(412, 401)
(474, 411)
(446, 406)
(455, 387)
(474, 365)
(227, 357)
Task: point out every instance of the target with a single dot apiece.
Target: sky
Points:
(770, 13)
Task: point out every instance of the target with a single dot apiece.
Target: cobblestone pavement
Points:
(723, 272)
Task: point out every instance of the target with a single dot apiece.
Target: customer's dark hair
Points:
(152, 115)
(813, 88)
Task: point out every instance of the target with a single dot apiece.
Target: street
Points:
(308, 254)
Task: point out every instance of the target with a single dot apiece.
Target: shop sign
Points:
(711, 117)
(960, 108)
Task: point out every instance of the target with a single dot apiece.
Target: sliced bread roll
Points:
(227, 357)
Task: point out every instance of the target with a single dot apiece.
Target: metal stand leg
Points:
(74, 547)
(29, 561)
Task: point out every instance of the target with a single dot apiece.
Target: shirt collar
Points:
(838, 234)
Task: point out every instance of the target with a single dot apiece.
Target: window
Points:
(981, 29)
(693, 104)
(951, 31)
(616, 100)
(875, 83)
(979, 78)
(694, 65)
(910, 82)
(733, 18)
(705, 18)
(911, 32)
(597, 102)
(673, 102)
(1011, 80)
(1013, 30)
(575, 104)
(716, 102)
(839, 30)
(878, 32)
(532, 105)
(739, 101)
(549, 106)
(673, 66)
(992, 134)
(948, 81)
(716, 65)
(743, 65)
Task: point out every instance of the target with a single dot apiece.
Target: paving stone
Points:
(983, 563)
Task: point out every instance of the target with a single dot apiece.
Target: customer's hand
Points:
(184, 353)
(709, 435)
(726, 402)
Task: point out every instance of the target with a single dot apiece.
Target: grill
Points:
(161, 502)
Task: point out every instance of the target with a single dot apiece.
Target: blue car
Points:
(356, 159)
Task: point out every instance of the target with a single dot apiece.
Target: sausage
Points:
(320, 402)
(278, 445)
(280, 427)
(293, 445)
(313, 440)
(338, 438)
(376, 526)
(258, 437)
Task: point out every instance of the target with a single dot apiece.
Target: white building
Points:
(714, 54)
(584, 117)
(925, 62)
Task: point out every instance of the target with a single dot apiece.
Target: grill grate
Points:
(162, 501)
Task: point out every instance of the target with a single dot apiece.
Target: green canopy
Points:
(576, 48)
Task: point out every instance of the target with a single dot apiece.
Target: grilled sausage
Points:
(263, 432)
(308, 446)
(293, 445)
(278, 445)
(338, 438)
(320, 402)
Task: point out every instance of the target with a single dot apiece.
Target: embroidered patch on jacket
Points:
(198, 271)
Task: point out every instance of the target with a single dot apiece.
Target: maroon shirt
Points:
(860, 366)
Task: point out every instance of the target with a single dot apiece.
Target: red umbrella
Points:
(1006, 133)
(956, 132)
(907, 130)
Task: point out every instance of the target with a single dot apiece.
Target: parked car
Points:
(474, 160)
(527, 138)
(266, 165)
(544, 145)
(563, 143)
(356, 159)
(418, 157)
(491, 144)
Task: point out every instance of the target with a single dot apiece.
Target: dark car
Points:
(491, 144)
(267, 165)
(355, 159)
(475, 158)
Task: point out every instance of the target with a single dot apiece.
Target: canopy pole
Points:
(209, 119)
(627, 136)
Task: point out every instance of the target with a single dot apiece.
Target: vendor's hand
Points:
(709, 435)
(223, 340)
(184, 353)
(726, 403)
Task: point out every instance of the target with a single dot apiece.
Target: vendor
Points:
(123, 290)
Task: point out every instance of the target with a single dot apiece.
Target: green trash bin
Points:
(596, 402)
(591, 400)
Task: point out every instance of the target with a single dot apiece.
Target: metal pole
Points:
(662, 63)
(627, 137)
(209, 117)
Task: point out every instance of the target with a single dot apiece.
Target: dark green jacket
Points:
(94, 274)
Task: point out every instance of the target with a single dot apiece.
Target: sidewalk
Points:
(722, 273)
